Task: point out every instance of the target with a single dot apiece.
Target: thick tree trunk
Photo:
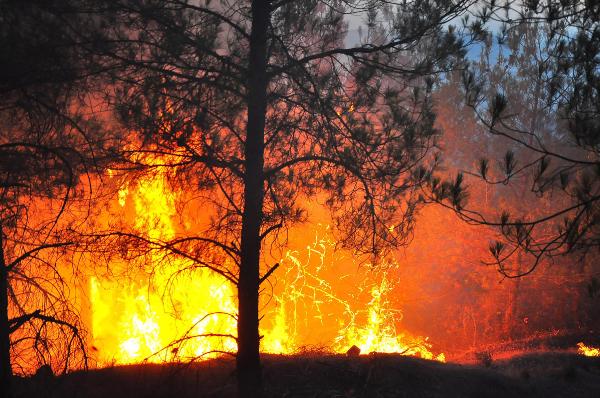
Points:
(249, 371)
(5, 368)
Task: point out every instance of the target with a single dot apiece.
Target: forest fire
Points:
(265, 198)
(158, 315)
(163, 314)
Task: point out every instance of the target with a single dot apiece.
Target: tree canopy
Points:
(262, 104)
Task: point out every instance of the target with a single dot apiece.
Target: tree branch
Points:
(268, 274)
(35, 250)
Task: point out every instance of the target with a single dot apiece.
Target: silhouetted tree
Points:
(258, 104)
(46, 146)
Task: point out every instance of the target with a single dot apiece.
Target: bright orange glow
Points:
(311, 300)
(379, 333)
(587, 351)
(160, 313)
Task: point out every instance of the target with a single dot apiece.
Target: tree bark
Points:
(5, 367)
(249, 372)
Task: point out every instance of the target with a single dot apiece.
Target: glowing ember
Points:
(308, 302)
(588, 351)
(379, 333)
(168, 310)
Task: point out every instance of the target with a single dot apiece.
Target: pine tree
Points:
(261, 104)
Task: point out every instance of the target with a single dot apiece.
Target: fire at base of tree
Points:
(170, 311)
(299, 198)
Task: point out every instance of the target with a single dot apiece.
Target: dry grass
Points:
(315, 374)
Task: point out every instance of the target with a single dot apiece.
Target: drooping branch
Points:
(56, 151)
(175, 345)
(36, 250)
(171, 246)
(17, 322)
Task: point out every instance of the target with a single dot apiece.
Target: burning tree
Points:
(46, 147)
(261, 106)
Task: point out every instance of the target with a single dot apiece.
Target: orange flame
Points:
(588, 351)
(379, 333)
(161, 314)
(137, 322)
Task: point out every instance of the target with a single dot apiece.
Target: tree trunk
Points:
(5, 368)
(249, 371)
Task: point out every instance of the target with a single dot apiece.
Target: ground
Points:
(542, 374)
